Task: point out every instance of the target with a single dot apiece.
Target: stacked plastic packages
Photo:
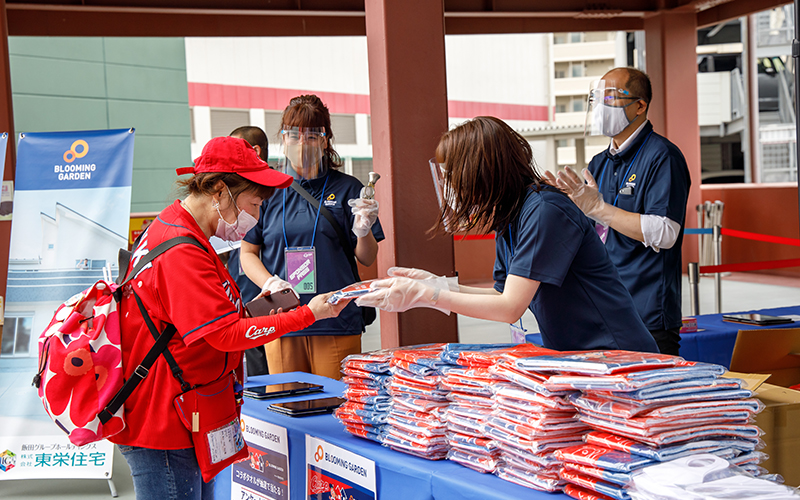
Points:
(416, 422)
(366, 410)
(530, 422)
(469, 381)
(645, 409)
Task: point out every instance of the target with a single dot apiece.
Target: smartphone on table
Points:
(281, 390)
(284, 299)
(307, 407)
(757, 319)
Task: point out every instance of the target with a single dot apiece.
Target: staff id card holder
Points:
(301, 262)
(301, 266)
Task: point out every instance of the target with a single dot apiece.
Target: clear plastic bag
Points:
(603, 458)
(480, 463)
(593, 484)
(598, 362)
(541, 482)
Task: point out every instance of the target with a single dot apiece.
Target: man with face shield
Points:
(636, 192)
(296, 244)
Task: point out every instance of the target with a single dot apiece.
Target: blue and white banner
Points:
(71, 214)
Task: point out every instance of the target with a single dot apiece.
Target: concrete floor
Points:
(740, 292)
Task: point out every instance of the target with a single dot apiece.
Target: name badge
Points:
(602, 231)
(301, 267)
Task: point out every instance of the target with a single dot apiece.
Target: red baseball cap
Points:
(236, 156)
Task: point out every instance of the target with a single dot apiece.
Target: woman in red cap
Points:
(173, 454)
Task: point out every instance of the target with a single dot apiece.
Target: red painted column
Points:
(408, 108)
(671, 55)
(6, 125)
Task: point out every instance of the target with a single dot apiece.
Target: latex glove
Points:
(274, 284)
(420, 274)
(585, 195)
(401, 294)
(366, 212)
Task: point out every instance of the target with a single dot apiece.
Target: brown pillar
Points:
(6, 125)
(671, 52)
(408, 107)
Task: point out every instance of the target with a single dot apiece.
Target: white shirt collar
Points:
(628, 141)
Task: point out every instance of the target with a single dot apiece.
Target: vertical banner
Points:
(72, 199)
(265, 475)
(333, 473)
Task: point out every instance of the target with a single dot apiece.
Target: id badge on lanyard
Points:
(301, 269)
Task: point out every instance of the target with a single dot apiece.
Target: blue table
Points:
(398, 475)
(714, 343)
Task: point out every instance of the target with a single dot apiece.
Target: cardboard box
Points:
(780, 422)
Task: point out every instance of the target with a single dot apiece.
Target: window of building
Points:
(577, 70)
(561, 108)
(344, 128)
(225, 121)
(16, 336)
(577, 105)
(575, 37)
(361, 169)
(560, 73)
(272, 126)
(559, 38)
(561, 143)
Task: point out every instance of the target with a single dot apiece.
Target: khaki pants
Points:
(317, 354)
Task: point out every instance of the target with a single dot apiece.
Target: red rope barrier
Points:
(469, 237)
(750, 266)
(760, 237)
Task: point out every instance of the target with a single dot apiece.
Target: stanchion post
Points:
(694, 288)
(718, 261)
(699, 236)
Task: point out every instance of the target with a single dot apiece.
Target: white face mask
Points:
(612, 118)
(305, 159)
(236, 231)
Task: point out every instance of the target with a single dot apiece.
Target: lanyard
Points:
(316, 219)
(626, 172)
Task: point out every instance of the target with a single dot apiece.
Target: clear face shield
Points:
(605, 114)
(303, 149)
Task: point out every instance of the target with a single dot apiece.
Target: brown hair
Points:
(488, 167)
(306, 111)
(205, 184)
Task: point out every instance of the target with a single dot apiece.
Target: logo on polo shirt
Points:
(632, 178)
(330, 201)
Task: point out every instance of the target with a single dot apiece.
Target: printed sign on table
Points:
(333, 473)
(265, 474)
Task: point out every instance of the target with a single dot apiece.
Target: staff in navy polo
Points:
(636, 191)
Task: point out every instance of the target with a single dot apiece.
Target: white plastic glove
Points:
(366, 212)
(401, 294)
(585, 195)
(421, 274)
(274, 284)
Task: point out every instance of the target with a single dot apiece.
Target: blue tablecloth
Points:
(398, 475)
(714, 343)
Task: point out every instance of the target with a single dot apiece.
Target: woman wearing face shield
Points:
(188, 287)
(294, 245)
(548, 256)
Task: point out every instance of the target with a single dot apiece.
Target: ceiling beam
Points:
(733, 10)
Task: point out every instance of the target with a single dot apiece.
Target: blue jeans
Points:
(166, 474)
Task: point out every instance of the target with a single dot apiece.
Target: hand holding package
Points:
(400, 294)
(275, 284)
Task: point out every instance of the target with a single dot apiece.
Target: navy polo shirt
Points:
(333, 270)
(580, 304)
(247, 289)
(655, 180)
